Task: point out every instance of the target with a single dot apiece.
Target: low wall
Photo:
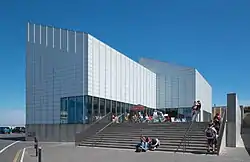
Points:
(54, 132)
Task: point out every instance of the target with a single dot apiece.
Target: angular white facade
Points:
(62, 63)
(114, 76)
(203, 92)
(177, 87)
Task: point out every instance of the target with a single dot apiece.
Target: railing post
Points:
(39, 154)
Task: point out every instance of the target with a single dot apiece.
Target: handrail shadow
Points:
(120, 119)
(92, 128)
(184, 139)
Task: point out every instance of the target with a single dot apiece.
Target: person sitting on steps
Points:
(155, 143)
(143, 145)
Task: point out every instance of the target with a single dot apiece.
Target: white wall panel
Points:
(114, 74)
(122, 79)
(203, 92)
(102, 60)
(131, 82)
(108, 72)
(117, 77)
(90, 66)
(127, 93)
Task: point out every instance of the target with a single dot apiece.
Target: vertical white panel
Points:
(142, 85)
(114, 74)
(108, 73)
(118, 73)
(90, 65)
(131, 82)
(102, 60)
(97, 67)
(146, 87)
(135, 83)
(127, 80)
(122, 65)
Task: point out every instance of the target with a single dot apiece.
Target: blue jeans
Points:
(143, 145)
(195, 114)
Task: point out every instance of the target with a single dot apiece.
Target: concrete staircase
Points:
(126, 136)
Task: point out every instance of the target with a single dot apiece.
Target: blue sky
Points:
(213, 36)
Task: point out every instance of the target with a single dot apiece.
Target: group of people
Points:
(146, 143)
(212, 132)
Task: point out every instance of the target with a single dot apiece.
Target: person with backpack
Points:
(217, 121)
(211, 135)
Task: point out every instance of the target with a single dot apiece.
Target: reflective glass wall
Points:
(87, 109)
(72, 110)
(96, 108)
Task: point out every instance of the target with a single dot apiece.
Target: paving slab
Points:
(69, 153)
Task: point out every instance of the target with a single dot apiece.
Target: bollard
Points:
(39, 154)
(36, 148)
(36, 145)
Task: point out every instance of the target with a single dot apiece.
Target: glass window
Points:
(72, 110)
(108, 106)
(96, 108)
(127, 108)
(102, 107)
(113, 107)
(64, 110)
(88, 109)
(79, 109)
(118, 108)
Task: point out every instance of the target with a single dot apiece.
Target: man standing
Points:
(196, 108)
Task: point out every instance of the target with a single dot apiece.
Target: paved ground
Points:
(69, 153)
(12, 152)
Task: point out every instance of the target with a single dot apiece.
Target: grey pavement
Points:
(9, 154)
(69, 153)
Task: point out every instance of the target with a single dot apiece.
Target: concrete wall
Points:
(54, 132)
(203, 92)
(54, 69)
(114, 76)
(175, 85)
(233, 128)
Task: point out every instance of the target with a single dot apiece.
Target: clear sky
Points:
(213, 36)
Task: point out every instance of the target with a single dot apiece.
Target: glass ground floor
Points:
(87, 109)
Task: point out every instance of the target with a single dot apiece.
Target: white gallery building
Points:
(72, 78)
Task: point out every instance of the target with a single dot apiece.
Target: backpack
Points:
(210, 133)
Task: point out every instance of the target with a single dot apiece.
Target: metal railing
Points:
(185, 140)
(221, 131)
(93, 128)
(120, 119)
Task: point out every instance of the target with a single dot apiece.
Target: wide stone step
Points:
(158, 134)
(152, 131)
(187, 150)
(132, 146)
(135, 141)
(201, 139)
(157, 127)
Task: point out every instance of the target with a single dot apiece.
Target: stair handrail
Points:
(109, 124)
(79, 136)
(221, 130)
(184, 137)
